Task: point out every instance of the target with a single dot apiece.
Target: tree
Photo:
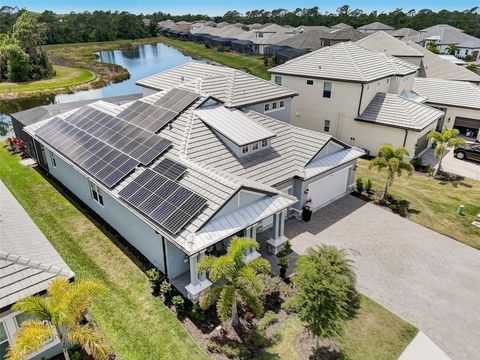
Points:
(59, 314)
(432, 46)
(391, 159)
(452, 49)
(234, 280)
(325, 293)
(444, 140)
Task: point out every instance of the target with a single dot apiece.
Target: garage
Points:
(467, 126)
(329, 188)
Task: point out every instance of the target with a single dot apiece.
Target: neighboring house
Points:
(404, 32)
(178, 173)
(361, 97)
(235, 88)
(460, 100)
(382, 42)
(444, 35)
(28, 263)
(374, 27)
(341, 35)
(303, 28)
(341, 26)
(453, 59)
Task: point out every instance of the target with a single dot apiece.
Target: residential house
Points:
(453, 59)
(303, 28)
(341, 26)
(458, 99)
(445, 35)
(341, 35)
(374, 27)
(179, 172)
(359, 96)
(28, 263)
(404, 32)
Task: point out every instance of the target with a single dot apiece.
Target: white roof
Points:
(234, 125)
(448, 92)
(385, 43)
(345, 61)
(396, 111)
(28, 262)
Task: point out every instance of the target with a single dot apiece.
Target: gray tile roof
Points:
(376, 26)
(385, 43)
(345, 61)
(347, 34)
(446, 34)
(235, 88)
(341, 26)
(448, 92)
(436, 67)
(396, 111)
(311, 40)
(28, 262)
(404, 32)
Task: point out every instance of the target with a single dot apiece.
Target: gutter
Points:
(361, 98)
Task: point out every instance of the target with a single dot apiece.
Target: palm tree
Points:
(391, 159)
(59, 314)
(432, 46)
(451, 49)
(444, 140)
(234, 280)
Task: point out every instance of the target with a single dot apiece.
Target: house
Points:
(341, 26)
(361, 97)
(341, 35)
(382, 42)
(28, 263)
(374, 27)
(235, 88)
(304, 28)
(458, 99)
(404, 32)
(179, 172)
(443, 36)
(453, 59)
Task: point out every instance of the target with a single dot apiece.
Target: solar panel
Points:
(164, 201)
(170, 169)
(103, 162)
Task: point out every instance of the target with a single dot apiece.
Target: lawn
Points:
(252, 63)
(136, 324)
(65, 76)
(436, 202)
(374, 334)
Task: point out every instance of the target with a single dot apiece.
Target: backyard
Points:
(435, 202)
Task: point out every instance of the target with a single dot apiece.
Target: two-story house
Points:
(361, 97)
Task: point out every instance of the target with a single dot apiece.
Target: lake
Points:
(141, 61)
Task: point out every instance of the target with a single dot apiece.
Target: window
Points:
(267, 107)
(52, 158)
(96, 193)
(244, 149)
(3, 341)
(264, 143)
(309, 82)
(281, 104)
(327, 89)
(260, 35)
(278, 80)
(326, 126)
(22, 317)
(274, 106)
(255, 146)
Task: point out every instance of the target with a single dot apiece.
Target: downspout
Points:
(165, 257)
(405, 139)
(361, 98)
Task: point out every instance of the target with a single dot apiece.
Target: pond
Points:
(141, 61)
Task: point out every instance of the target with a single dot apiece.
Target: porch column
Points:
(194, 279)
(278, 240)
(198, 282)
(251, 252)
(202, 276)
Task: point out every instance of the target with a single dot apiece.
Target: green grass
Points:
(435, 201)
(65, 76)
(374, 334)
(136, 324)
(252, 63)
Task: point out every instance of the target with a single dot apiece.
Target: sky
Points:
(219, 7)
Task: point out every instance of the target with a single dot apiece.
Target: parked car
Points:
(469, 152)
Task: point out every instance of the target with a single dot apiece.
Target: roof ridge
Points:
(353, 58)
(33, 264)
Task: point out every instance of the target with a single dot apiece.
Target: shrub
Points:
(208, 46)
(368, 186)
(417, 163)
(382, 202)
(404, 203)
(230, 349)
(287, 249)
(179, 303)
(283, 263)
(359, 185)
(403, 212)
(165, 289)
(268, 319)
(469, 58)
(430, 170)
(154, 278)
(198, 312)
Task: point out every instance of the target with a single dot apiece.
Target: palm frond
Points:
(252, 301)
(238, 247)
(78, 299)
(32, 336)
(225, 303)
(222, 268)
(210, 297)
(36, 306)
(90, 340)
(205, 264)
(248, 280)
(56, 291)
(378, 162)
(259, 265)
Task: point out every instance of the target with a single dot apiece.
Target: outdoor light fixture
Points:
(306, 191)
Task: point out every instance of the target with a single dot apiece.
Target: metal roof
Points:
(235, 88)
(385, 43)
(376, 25)
(345, 61)
(234, 125)
(396, 111)
(28, 262)
(332, 161)
(448, 92)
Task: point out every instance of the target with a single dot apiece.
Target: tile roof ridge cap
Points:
(33, 264)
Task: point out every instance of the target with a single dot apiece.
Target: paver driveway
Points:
(428, 279)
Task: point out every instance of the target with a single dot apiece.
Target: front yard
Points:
(435, 202)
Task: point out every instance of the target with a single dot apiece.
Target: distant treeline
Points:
(107, 25)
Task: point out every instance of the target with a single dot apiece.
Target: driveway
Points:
(428, 279)
(451, 164)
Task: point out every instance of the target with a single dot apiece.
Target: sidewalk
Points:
(422, 348)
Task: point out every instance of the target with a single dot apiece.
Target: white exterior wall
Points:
(415, 60)
(282, 114)
(132, 228)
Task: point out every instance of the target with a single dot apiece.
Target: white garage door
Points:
(329, 188)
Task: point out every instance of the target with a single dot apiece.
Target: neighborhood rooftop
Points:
(375, 26)
(446, 34)
(382, 42)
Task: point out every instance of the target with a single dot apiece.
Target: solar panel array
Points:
(164, 201)
(102, 161)
(170, 169)
(142, 145)
(155, 117)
